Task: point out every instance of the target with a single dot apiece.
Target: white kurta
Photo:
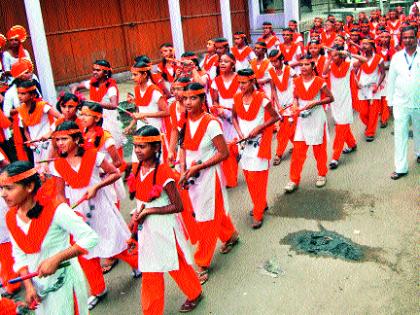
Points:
(341, 108)
(105, 219)
(286, 97)
(57, 239)
(4, 232)
(311, 129)
(244, 64)
(159, 235)
(366, 81)
(111, 117)
(203, 191)
(229, 131)
(249, 151)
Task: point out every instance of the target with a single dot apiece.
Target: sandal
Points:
(106, 268)
(227, 247)
(203, 276)
(277, 160)
(94, 300)
(257, 224)
(189, 305)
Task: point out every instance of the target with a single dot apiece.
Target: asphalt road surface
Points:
(360, 202)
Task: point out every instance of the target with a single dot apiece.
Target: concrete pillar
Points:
(40, 47)
(176, 27)
(226, 20)
(291, 11)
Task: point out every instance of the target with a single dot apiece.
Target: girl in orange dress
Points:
(318, 54)
(209, 63)
(203, 148)
(253, 118)
(311, 92)
(289, 49)
(269, 37)
(167, 67)
(223, 89)
(261, 66)
(242, 52)
(164, 247)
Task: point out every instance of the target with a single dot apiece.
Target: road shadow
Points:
(320, 204)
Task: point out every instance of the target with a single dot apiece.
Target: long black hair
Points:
(191, 87)
(64, 98)
(164, 61)
(68, 125)
(108, 73)
(19, 167)
(149, 131)
(97, 108)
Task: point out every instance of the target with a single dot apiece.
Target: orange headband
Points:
(144, 69)
(26, 90)
(62, 133)
(145, 139)
(89, 112)
(104, 68)
(239, 36)
(194, 92)
(368, 41)
(276, 56)
(7, 180)
(355, 33)
(243, 78)
(221, 44)
(71, 103)
(180, 84)
(190, 57)
(260, 46)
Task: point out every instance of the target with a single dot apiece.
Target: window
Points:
(271, 6)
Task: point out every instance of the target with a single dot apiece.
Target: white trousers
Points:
(402, 117)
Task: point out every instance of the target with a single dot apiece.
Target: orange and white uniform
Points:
(226, 91)
(341, 108)
(272, 42)
(290, 52)
(394, 29)
(369, 102)
(284, 88)
(208, 195)
(310, 130)
(209, 65)
(327, 39)
(164, 247)
(243, 57)
(262, 72)
(255, 152)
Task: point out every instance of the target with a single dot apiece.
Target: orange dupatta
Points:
(280, 85)
(147, 97)
(97, 94)
(264, 151)
(223, 91)
(192, 143)
(240, 56)
(374, 64)
(259, 70)
(81, 178)
(310, 93)
(288, 53)
(35, 117)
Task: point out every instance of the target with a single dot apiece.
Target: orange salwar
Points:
(300, 149)
(230, 166)
(257, 187)
(153, 286)
(343, 135)
(369, 114)
(6, 268)
(93, 270)
(187, 217)
(221, 227)
(384, 112)
(285, 134)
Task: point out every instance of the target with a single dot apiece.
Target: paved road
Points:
(360, 202)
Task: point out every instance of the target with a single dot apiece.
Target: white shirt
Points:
(404, 80)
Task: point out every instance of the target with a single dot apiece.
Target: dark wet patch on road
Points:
(325, 243)
(320, 204)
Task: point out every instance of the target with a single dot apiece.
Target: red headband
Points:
(87, 111)
(71, 103)
(26, 90)
(103, 68)
(62, 133)
(7, 180)
(260, 46)
(194, 92)
(221, 44)
(144, 69)
(244, 78)
(180, 84)
(143, 139)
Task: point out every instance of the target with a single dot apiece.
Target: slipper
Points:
(95, 299)
(257, 224)
(189, 305)
(203, 276)
(227, 247)
(277, 160)
(106, 268)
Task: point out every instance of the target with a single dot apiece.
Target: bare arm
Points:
(113, 103)
(113, 153)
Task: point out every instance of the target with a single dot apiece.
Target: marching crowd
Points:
(194, 124)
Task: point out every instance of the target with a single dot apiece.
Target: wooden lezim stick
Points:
(35, 274)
